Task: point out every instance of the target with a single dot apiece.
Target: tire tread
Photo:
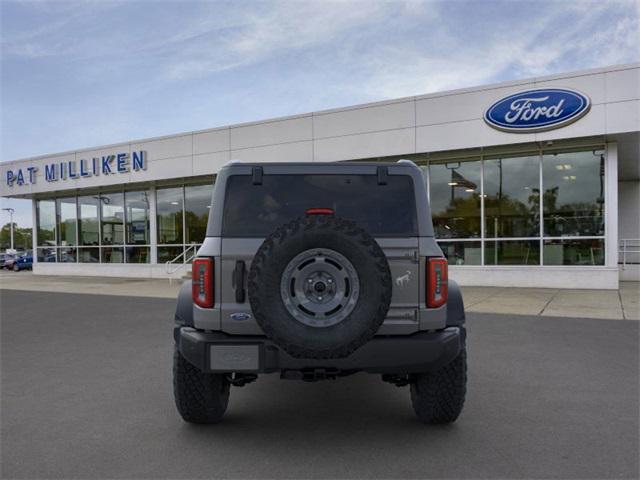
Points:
(438, 397)
(199, 397)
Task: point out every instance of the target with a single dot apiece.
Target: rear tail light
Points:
(202, 282)
(437, 282)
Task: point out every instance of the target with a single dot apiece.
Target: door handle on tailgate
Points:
(238, 281)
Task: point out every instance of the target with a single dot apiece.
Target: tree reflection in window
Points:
(455, 199)
(88, 221)
(169, 206)
(512, 197)
(196, 211)
(46, 222)
(573, 199)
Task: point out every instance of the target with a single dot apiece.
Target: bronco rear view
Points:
(316, 271)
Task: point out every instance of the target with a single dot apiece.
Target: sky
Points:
(87, 73)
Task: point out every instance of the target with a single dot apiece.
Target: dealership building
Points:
(533, 183)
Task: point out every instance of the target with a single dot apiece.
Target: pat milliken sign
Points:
(115, 164)
(537, 110)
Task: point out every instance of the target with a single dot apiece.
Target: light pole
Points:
(11, 212)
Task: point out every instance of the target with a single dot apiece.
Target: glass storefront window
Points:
(47, 254)
(88, 227)
(169, 218)
(573, 198)
(67, 254)
(137, 254)
(115, 227)
(574, 252)
(46, 217)
(89, 255)
(112, 255)
(512, 197)
(197, 200)
(166, 254)
(112, 218)
(512, 252)
(462, 253)
(572, 202)
(455, 199)
(67, 221)
(137, 218)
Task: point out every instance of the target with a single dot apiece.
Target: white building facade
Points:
(532, 183)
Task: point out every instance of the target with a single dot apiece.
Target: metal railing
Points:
(172, 266)
(628, 247)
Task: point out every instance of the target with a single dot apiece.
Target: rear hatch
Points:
(386, 208)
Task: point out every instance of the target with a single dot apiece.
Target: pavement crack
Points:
(624, 315)
(547, 304)
(489, 297)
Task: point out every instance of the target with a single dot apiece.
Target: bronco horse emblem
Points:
(403, 280)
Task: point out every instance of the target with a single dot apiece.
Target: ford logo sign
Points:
(537, 110)
(240, 316)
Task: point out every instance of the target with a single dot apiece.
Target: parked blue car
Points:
(23, 262)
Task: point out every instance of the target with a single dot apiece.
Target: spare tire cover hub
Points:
(320, 287)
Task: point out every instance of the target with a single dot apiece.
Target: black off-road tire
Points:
(327, 232)
(200, 397)
(438, 397)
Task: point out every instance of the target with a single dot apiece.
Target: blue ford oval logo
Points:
(240, 316)
(537, 110)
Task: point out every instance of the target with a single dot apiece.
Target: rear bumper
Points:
(219, 352)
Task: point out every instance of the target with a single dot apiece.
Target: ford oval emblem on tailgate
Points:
(240, 316)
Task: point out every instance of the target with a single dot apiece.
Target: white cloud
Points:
(52, 28)
(287, 26)
(528, 47)
(365, 36)
(563, 35)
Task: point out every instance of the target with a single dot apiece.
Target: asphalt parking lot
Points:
(86, 393)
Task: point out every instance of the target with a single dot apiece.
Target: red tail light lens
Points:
(319, 211)
(437, 282)
(202, 285)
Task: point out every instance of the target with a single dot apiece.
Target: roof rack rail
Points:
(404, 161)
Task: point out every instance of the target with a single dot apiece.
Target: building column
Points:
(611, 205)
(153, 225)
(34, 230)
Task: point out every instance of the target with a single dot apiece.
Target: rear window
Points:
(257, 210)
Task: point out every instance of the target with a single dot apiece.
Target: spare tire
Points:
(320, 287)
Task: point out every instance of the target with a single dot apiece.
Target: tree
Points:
(21, 237)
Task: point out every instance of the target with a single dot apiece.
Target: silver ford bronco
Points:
(317, 271)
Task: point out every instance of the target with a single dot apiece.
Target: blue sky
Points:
(80, 74)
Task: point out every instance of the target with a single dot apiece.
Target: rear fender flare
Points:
(184, 309)
(455, 306)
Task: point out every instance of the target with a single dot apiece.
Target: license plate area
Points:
(234, 358)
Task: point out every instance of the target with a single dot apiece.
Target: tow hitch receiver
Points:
(241, 379)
